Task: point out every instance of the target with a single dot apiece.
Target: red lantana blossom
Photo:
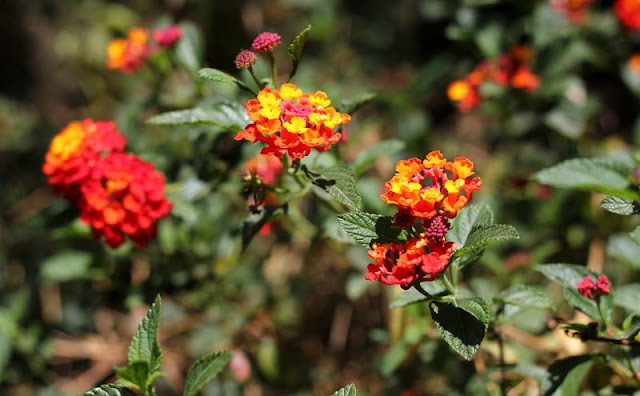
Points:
(415, 260)
(266, 42)
(130, 54)
(573, 10)
(291, 122)
(124, 195)
(628, 12)
(168, 36)
(586, 287)
(75, 150)
(511, 69)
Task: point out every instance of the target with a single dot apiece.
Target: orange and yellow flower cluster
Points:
(573, 10)
(628, 12)
(117, 193)
(511, 69)
(427, 194)
(128, 55)
(291, 122)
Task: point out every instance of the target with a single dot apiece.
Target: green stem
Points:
(448, 285)
(419, 288)
(274, 71)
(602, 315)
(253, 74)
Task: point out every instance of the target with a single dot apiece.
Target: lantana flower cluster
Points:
(628, 11)
(593, 290)
(427, 193)
(291, 122)
(510, 69)
(130, 54)
(573, 10)
(117, 193)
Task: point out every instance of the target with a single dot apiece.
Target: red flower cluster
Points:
(427, 193)
(266, 42)
(511, 69)
(573, 10)
(123, 196)
(129, 54)
(117, 193)
(591, 290)
(291, 122)
(628, 12)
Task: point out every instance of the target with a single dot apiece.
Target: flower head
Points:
(266, 42)
(414, 260)
(291, 122)
(123, 196)
(245, 59)
(573, 10)
(432, 187)
(129, 54)
(168, 36)
(586, 287)
(628, 11)
(73, 152)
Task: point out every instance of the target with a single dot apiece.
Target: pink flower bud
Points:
(266, 42)
(245, 59)
(587, 288)
(602, 285)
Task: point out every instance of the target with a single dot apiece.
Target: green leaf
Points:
(622, 247)
(189, 48)
(65, 266)
(627, 297)
(226, 115)
(482, 234)
(590, 174)
(144, 346)
(367, 157)
(135, 374)
(463, 326)
(407, 297)
(205, 370)
(352, 105)
(110, 390)
(222, 77)
(621, 206)
(567, 274)
(295, 50)
(582, 303)
(468, 217)
(367, 228)
(348, 390)
(635, 235)
(344, 188)
(526, 296)
(565, 376)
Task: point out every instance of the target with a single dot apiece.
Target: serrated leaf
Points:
(407, 297)
(367, 157)
(581, 303)
(559, 375)
(352, 105)
(621, 206)
(295, 50)
(464, 326)
(226, 115)
(526, 296)
(590, 174)
(348, 390)
(110, 390)
(135, 374)
(65, 266)
(222, 77)
(144, 346)
(344, 188)
(482, 234)
(205, 370)
(367, 228)
(468, 217)
(627, 297)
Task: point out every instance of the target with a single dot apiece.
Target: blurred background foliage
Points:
(295, 304)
